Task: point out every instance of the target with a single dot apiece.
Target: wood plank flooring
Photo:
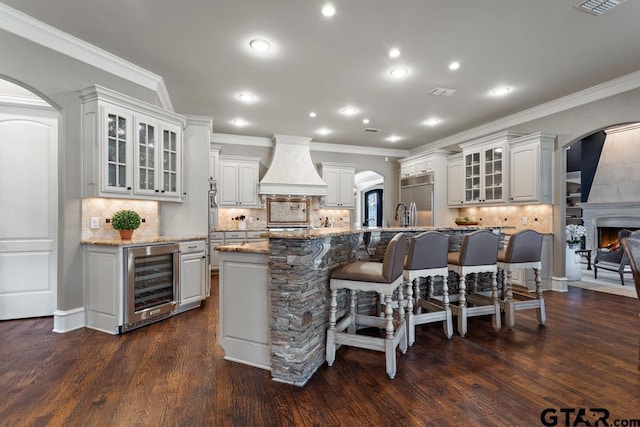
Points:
(172, 373)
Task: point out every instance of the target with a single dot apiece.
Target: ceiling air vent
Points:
(441, 91)
(374, 130)
(598, 7)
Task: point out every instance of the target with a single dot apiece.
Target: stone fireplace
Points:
(603, 220)
(614, 199)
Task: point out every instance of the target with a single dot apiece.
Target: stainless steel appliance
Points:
(151, 284)
(418, 190)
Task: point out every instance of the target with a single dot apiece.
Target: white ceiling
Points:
(543, 49)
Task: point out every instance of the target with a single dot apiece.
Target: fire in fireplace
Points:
(608, 237)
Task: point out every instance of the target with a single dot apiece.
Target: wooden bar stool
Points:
(427, 257)
(383, 278)
(523, 251)
(478, 254)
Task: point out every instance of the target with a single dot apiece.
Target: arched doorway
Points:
(369, 198)
(29, 200)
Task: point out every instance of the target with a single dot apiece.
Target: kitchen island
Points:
(274, 297)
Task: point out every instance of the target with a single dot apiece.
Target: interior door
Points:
(28, 214)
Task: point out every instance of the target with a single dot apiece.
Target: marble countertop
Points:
(144, 240)
(249, 247)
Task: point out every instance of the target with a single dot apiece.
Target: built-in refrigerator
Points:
(418, 190)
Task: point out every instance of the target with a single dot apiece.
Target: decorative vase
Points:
(126, 234)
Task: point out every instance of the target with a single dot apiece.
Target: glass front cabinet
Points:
(132, 149)
(485, 169)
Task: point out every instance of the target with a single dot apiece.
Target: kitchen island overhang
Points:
(295, 271)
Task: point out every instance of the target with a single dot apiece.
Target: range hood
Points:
(292, 172)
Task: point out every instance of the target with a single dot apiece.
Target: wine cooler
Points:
(151, 284)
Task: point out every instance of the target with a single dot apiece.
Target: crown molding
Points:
(25, 26)
(595, 93)
(256, 141)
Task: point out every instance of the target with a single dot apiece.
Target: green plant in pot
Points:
(125, 221)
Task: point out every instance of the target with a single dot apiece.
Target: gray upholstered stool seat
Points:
(523, 251)
(384, 278)
(478, 254)
(427, 258)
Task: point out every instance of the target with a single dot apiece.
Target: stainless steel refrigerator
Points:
(419, 190)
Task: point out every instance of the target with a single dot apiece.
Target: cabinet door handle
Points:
(128, 188)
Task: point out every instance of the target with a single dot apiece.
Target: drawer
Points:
(216, 242)
(216, 235)
(235, 235)
(193, 246)
(255, 234)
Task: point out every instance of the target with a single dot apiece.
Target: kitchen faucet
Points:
(405, 214)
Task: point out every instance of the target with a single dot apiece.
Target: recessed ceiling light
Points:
(324, 131)
(239, 122)
(394, 52)
(312, 114)
(365, 121)
(246, 97)
(393, 138)
(260, 45)
(432, 121)
(328, 10)
(500, 91)
(398, 73)
(349, 111)
(454, 65)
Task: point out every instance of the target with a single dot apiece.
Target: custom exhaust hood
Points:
(292, 172)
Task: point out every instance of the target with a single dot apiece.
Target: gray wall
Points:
(56, 78)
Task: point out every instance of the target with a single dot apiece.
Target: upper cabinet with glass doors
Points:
(486, 169)
(132, 149)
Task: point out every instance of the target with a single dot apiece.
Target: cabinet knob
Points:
(128, 188)
(157, 191)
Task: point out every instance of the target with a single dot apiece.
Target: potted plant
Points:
(125, 221)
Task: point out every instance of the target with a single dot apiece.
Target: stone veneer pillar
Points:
(299, 273)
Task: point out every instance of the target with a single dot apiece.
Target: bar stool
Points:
(383, 278)
(523, 251)
(478, 254)
(427, 257)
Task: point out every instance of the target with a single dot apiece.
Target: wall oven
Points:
(151, 284)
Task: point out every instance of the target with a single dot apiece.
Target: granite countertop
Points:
(319, 233)
(249, 247)
(144, 240)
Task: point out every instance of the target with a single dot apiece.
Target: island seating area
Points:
(286, 333)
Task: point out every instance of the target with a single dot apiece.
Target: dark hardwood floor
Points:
(172, 373)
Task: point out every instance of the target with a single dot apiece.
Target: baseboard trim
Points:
(68, 320)
(559, 284)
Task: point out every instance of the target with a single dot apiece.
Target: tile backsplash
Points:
(104, 209)
(257, 218)
(537, 217)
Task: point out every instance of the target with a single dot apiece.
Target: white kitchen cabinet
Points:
(245, 308)
(424, 166)
(455, 180)
(131, 149)
(531, 178)
(407, 169)
(216, 238)
(194, 283)
(104, 287)
(486, 169)
(238, 185)
(340, 179)
(413, 166)
(158, 155)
